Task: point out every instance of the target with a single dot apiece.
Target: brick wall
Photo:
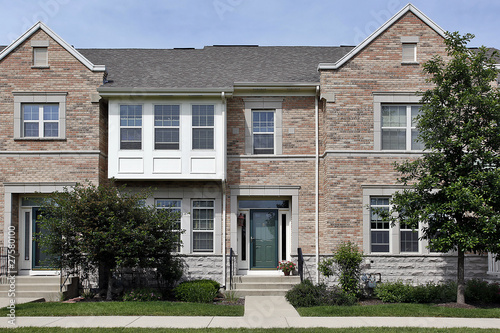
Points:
(59, 160)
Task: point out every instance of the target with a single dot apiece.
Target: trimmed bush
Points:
(142, 295)
(399, 292)
(306, 294)
(477, 291)
(197, 291)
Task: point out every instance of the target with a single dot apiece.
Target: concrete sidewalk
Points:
(260, 312)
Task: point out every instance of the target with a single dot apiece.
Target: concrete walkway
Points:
(260, 312)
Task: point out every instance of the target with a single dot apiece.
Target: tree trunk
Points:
(109, 294)
(460, 277)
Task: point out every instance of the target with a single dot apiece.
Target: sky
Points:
(199, 23)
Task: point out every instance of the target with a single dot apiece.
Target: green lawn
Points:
(213, 330)
(125, 309)
(397, 310)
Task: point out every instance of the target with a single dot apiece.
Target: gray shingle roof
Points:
(213, 66)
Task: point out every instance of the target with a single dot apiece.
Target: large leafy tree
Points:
(103, 228)
(454, 188)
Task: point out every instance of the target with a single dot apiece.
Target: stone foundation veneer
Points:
(412, 269)
(203, 266)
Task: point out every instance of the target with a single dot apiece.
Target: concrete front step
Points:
(260, 285)
(35, 287)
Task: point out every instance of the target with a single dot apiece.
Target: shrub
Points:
(399, 292)
(393, 292)
(197, 291)
(142, 295)
(477, 291)
(347, 259)
(306, 294)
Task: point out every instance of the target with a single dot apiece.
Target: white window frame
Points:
(178, 127)
(40, 122)
(395, 98)
(176, 207)
(409, 127)
(380, 191)
(202, 231)
(197, 127)
(39, 98)
(140, 127)
(264, 104)
(254, 134)
(409, 46)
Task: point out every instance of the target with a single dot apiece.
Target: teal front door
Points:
(41, 260)
(264, 238)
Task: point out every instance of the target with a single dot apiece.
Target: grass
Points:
(397, 310)
(55, 309)
(281, 330)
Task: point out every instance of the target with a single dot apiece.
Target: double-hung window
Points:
(174, 206)
(398, 127)
(167, 121)
(130, 126)
(203, 126)
(203, 225)
(40, 120)
(408, 238)
(263, 131)
(379, 229)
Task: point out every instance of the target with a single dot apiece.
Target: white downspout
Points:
(316, 183)
(224, 111)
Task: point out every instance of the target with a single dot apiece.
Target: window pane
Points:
(416, 145)
(263, 122)
(203, 242)
(130, 138)
(130, 115)
(393, 116)
(203, 115)
(380, 241)
(203, 138)
(166, 138)
(31, 129)
(50, 112)
(409, 240)
(50, 130)
(263, 143)
(394, 139)
(409, 52)
(31, 112)
(167, 115)
(415, 111)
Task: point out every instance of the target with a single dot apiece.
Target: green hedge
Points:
(476, 291)
(306, 294)
(197, 291)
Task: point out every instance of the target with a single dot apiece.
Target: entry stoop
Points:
(257, 285)
(36, 287)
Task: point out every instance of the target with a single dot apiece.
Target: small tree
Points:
(346, 264)
(454, 186)
(105, 228)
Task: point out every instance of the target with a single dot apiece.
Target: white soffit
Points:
(59, 40)
(408, 8)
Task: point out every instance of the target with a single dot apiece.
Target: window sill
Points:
(406, 63)
(39, 139)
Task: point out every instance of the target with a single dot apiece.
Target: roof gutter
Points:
(144, 91)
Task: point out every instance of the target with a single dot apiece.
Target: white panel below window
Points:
(202, 165)
(130, 165)
(167, 165)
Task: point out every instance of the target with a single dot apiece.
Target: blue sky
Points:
(197, 23)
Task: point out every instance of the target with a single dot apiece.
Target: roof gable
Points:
(41, 26)
(408, 8)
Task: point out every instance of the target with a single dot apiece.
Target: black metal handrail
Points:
(300, 265)
(231, 268)
(4, 261)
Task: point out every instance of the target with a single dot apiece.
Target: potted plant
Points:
(286, 267)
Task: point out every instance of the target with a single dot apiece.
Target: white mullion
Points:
(408, 127)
